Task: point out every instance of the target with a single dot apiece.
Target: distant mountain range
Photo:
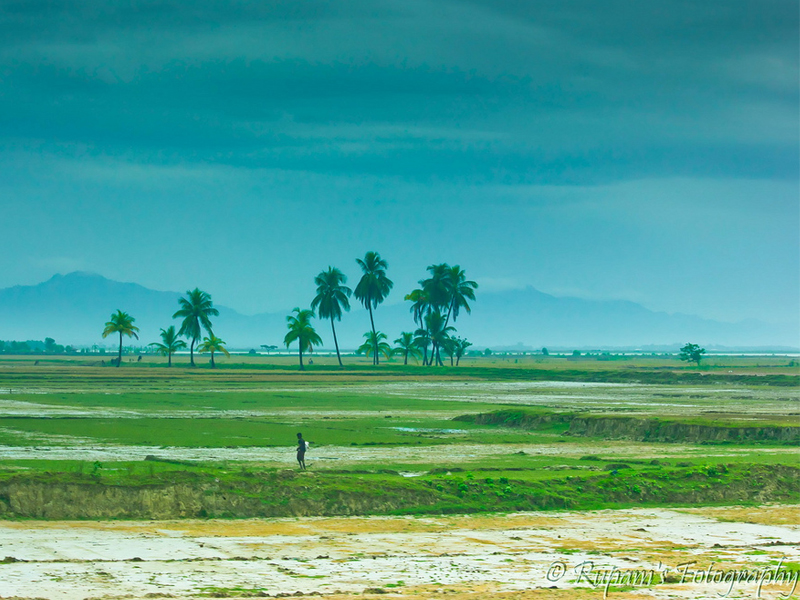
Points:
(73, 309)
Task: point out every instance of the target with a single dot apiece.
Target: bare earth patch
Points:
(520, 556)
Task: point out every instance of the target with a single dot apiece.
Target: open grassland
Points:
(490, 435)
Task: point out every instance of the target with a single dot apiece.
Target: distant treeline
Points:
(48, 346)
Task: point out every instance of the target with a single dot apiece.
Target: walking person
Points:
(302, 445)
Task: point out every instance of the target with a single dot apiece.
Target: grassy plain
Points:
(384, 440)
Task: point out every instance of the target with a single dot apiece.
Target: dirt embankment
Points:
(635, 428)
(286, 493)
(655, 430)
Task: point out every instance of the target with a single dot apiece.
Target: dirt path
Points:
(339, 456)
(521, 556)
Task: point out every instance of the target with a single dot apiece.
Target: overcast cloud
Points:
(638, 150)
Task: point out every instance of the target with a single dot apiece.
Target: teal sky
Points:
(636, 150)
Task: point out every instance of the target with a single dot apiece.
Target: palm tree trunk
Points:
(169, 359)
(336, 343)
(449, 310)
(191, 352)
(300, 347)
(405, 358)
(119, 360)
(212, 360)
(374, 334)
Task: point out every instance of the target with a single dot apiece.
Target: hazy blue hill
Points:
(73, 308)
(535, 318)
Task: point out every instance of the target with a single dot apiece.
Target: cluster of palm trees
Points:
(196, 310)
(436, 304)
(439, 299)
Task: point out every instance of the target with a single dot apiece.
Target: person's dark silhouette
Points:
(301, 451)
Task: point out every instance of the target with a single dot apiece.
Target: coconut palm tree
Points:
(302, 332)
(373, 288)
(422, 339)
(460, 290)
(121, 323)
(332, 296)
(213, 344)
(420, 306)
(406, 345)
(195, 311)
(170, 345)
(449, 348)
(369, 347)
(437, 291)
(461, 347)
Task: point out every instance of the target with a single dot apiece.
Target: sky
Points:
(646, 151)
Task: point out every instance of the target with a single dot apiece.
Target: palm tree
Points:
(213, 344)
(369, 347)
(373, 288)
(449, 347)
(302, 332)
(439, 333)
(406, 345)
(461, 347)
(422, 339)
(332, 296)
(437, 291)
(171, 344)
(195, 310)
(121, 323)
(459, 290)
(419, 308)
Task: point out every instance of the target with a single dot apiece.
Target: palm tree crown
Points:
(171, 343)
(460, 290)
(195, 311)
(302, 332)
(407, 346)
(213, 344)
(121, 323)
(332, 296)
(369, 347)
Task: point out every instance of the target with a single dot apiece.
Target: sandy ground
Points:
(520, 556)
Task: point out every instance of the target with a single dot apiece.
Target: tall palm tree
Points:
(195, 310)
(121, 323)
(373, 288)
(369, 348)
(459, 291)
(213, 344)
(406, 345)
(332, 296)
(170, 345)
(302, 332)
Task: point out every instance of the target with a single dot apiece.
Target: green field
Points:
(490, 435)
